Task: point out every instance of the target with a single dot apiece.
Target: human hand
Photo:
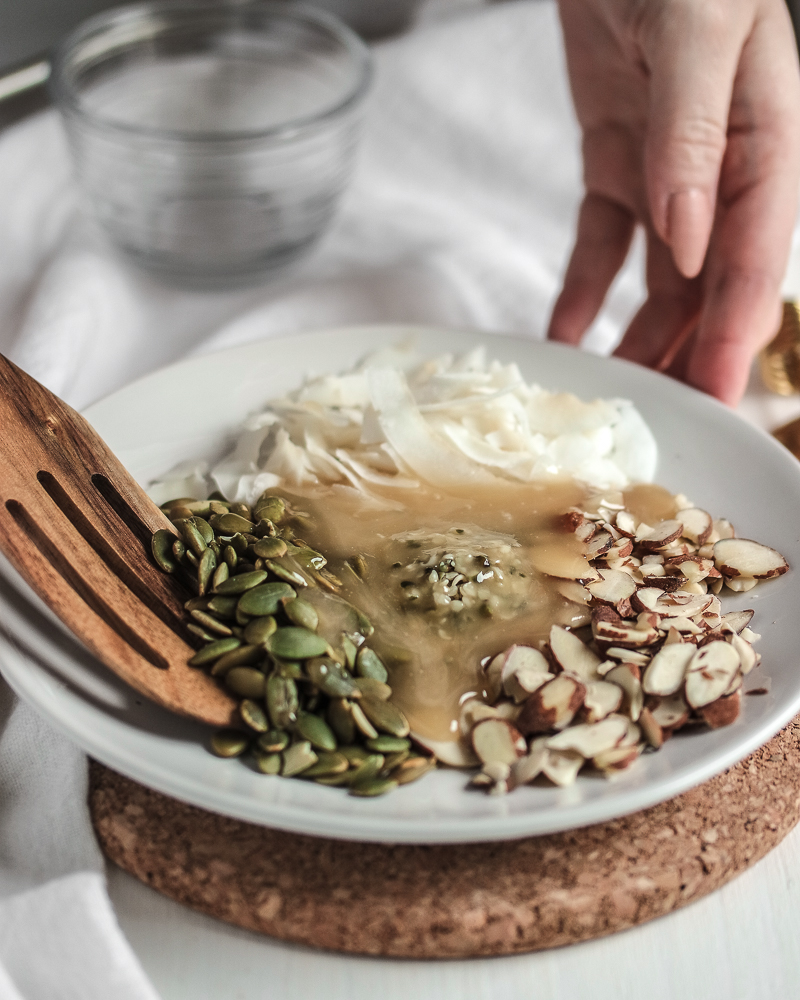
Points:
(690, 111)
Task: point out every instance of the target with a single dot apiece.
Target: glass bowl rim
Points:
(67, 97)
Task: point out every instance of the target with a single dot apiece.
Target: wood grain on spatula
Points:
(77, 527)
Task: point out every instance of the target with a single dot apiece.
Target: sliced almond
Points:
(723, 711)
(612, 587)
(742, 557)
(677, 604)
(598, 544)
(553, 706)
(738, 619)
(697, 524)
(601, 699)
(662, 534)
(651, 730)
(628, 681)
(626, 523)
(473, 712)
(709, 673)
(572, 655)
(522, 671)
(748, 657)
(573, 591)
(562, 562)
(667, 669)
(670, 712)
(453, 753)
(496, 740)
(624, 635)
(562, 766)
(616, 759)
(741, 584)
(590, 739)
(530, 765)
(628, 656)
(723, 529)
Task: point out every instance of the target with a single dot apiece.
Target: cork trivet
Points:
(454, 901)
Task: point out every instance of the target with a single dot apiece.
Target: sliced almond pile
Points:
(658, 654)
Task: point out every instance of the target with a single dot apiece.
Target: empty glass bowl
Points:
(212, 139)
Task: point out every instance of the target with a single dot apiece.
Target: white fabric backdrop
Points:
(461, 213)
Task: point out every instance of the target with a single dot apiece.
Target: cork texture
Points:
(456, 901)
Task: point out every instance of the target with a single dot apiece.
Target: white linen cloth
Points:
(461, 213)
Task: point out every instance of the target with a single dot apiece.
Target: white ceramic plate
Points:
(722, 463)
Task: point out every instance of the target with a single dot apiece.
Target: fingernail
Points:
(689, 218)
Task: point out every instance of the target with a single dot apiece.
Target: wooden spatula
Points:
(77, 527)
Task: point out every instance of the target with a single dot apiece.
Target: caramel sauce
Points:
(434, 656)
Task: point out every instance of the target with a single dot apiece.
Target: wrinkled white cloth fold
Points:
(461, 213)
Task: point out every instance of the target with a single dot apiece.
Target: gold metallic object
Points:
(780, 359)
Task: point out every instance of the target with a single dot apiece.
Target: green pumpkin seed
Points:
(267, 763)
(204, 528)
(355, 755)
(327, 764)
(270, 548)
(368, 768)
(362, 722)
(208, 563)
(266, 598)
(253, 715)
(214, 651)
(223, 607)
(194, 540)
(340, 720)
(331, 678)
(368, 664)
(241, 657)
(241, 582)
(221, 574)
(216, 548)
(190, 559)
(246, 682)
(210, 623)
(301, 613)
(161, 544)
(388, 744)
(231, 524)
(178, 549)
(316, 730)
(412, 768)
(335, 780)
(274, 740)
(370, 688)
(308, 558)
(392, 760)
(386, 716)
(297, 758)
(286, 569)
(282, 701)
(272, 508)
(293, 643)
(372, 787)
(238, 543)
(258, 630)
(218, 506)
(200, 632)
(179, 512)
(196, 604)
(289, 668)
(350, 650)
(199, 508)
(242, 620)
(242, 509)
(230, 557)
(229, 743)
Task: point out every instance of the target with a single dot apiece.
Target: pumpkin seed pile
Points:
(314, 699)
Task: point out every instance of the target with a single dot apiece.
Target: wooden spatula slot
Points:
(133, 568)
(82, 588)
